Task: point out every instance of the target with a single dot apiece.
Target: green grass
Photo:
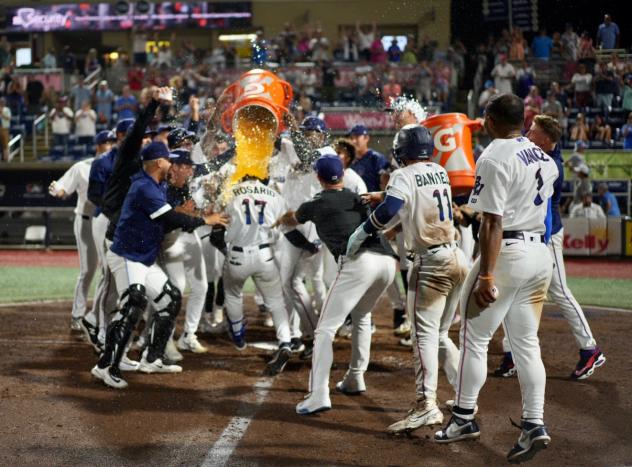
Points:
(23, 284)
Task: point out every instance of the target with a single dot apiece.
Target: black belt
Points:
(85, 218)
(515, 234)
(261, 247)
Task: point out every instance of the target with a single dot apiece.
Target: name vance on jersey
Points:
(253, 190)
(532, 155)
(435, 178)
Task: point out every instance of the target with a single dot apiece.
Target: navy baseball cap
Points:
(151, 132)
(329, 168)
(180, 156)
(313, 124)
(166, 128)
(124, 125)
(358, 130)
(104, 136)
(155, 150)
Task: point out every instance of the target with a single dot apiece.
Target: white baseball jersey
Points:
(76, 179)
(352, 181)
(426, 215)
(253, 210)
(514, 179)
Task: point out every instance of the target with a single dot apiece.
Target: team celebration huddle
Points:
(324, 227)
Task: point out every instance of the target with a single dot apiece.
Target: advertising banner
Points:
(592, 237)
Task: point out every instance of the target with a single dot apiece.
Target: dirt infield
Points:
(53, 412)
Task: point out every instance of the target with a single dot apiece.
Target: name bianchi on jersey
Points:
(436, 178)
(253, 190)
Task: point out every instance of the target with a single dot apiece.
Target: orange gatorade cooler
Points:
(452, 134)
(255, 91)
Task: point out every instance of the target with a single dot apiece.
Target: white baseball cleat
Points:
(268, 322)
(157, 366)
(458, 429)
(171, 352)
(403, 329)
(189, 342)
(424, 413)
(314, 403)
(75, 324)
(108, 377)
(351, 384)
(127, 364)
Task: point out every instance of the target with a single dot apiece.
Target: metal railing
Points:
(18, 141)
(93, 78)
(36, 123)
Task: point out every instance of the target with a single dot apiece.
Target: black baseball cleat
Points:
(589, 360)
(279, 360)
(533, 438)
(458, 429)
(296, 345)
(308, 351)
(92, 335)
(506, 369)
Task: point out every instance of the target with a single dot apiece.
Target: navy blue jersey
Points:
(138, 234)
(556, 217)
(100, 172)
(370, 167)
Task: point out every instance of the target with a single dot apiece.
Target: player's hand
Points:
(485, 293)
(373, 198)
(288, 219)
(356, 240)
(163, 94)
(188, 206)
(217, 218)
(390, 234)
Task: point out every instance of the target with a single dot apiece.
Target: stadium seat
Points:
(35, 234)
(77, 151)
(57, 152)
(17, 130)
(72, 140)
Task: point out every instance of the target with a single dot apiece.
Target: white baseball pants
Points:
(522, 277)
(436, 279)
(561, 295)
(358, 285)
(259, 264)
(88, 261)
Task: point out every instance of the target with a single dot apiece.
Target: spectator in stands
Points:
(425, 82)
(378, 54)
(605, 89)
(92, 62)
(488, 92)
(626, 133)
(259, 50)
(85, 123)
(556, 46)
(581, 186)
(302, 46)
(600, 130)
(126, 106)
(409, 57)
(525, 76)
(608, 34)
(68, 61)
(287, 41)
(518, 46)
(391, 90)
(308, 81)
(350, 51)
(61, 122)
(615, 64)
(49, 60)
(586, 52)
(164, 57)
(503, 73)
(34, 93)
(577, 158)
(15, 98)
(5, 52)
(104, 99)
(366, 37)
(587, 209)
(582, 83)
(139, 50)
(394, 51)
(79, 93)
(369, 164)
(319, 46)
(532, 106)
(542, 45)
(580, 130)
(553, 107)
(5, 126)
(570, 44)
(608, 201)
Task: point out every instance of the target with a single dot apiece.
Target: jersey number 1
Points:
(437, 195)
(258, 203)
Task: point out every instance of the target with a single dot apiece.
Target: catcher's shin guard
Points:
(133, 303)
(164, 320)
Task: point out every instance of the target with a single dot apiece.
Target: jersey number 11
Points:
(437, 195)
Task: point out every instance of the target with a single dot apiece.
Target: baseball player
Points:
(143, 219)
(253, 211)
(75, 179)
(360, 281)
(420, 193)
(545, 132)
(509, 281)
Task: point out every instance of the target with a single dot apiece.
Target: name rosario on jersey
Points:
(254, 190)
(435, 178)
(532, 156)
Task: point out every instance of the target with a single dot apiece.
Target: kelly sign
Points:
(592, 237)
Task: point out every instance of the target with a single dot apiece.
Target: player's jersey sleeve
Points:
(490, 189)
(70, 180)
(399, 187)
(153, 202)
(305, 212)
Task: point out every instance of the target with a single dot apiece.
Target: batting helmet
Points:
(177, 137)
(411, 143)
(313, 124)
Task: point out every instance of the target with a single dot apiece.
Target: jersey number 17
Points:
(258, 204)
